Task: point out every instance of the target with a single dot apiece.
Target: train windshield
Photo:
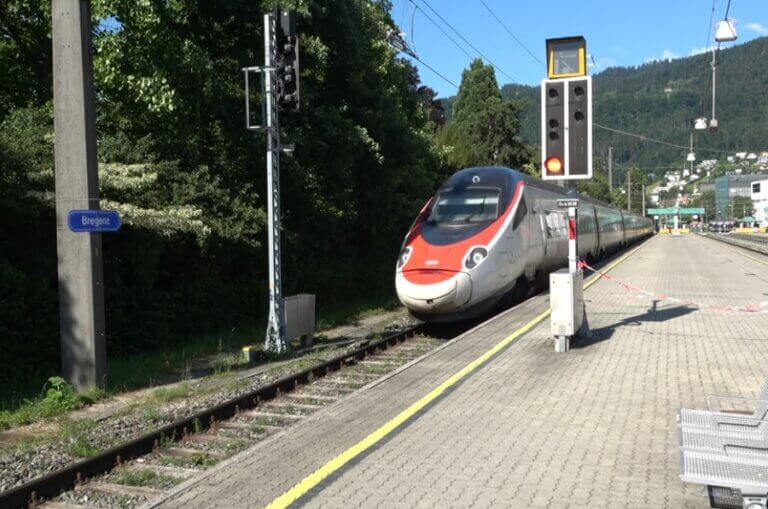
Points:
(466, 205)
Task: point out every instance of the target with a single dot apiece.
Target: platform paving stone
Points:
(594, 427)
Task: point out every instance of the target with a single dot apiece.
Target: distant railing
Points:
(755, 242)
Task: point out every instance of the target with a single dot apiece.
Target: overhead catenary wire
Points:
(413, 28)
(416, 7)
(537, 59)
(422, 62)
(654, 140)
(727, 10)
(711, 19)
(600, 126)
(426, 3)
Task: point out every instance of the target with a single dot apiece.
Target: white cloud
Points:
(600, 62)
(757, 27)
(666, 55)
(605, 62)
(699, 51)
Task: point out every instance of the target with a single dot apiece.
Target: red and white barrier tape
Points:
(633, 290)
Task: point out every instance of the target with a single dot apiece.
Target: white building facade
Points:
(760, 201)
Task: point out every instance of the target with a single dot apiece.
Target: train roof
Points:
(514, 176)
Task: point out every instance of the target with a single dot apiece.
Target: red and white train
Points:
(489, 230)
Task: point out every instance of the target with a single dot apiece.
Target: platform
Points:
(594, 427)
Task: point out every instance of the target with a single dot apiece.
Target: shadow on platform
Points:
(653, 314)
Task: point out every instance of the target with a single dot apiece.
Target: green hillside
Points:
(662, 100)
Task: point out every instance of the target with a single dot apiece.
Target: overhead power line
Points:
(422, 62)
(654, 140)
(727, 10)
(416, 7)
(711, 19)
(511, 34)
(465, 40)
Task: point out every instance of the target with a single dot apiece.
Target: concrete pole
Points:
(643, 200)
(81, 286)
(714, 83)
(610, 169)
(629, 190)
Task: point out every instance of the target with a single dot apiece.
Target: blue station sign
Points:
(93, 221)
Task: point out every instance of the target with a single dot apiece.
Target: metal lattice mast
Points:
(275, 337)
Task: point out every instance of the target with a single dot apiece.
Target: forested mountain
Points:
(662, 100)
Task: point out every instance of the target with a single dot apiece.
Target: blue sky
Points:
(618, 32)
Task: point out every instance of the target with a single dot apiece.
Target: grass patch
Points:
(22, 403)
(166, 394)
(197, 460)
(144, 477)
(344, 313)
(58, 397)
(74, 432)
(176, 363)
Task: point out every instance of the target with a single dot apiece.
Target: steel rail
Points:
(756, 245)
(51, 485)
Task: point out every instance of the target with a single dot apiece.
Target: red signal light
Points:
(553, 165)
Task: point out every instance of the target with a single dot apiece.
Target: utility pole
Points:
(629, 190)
(713, 124)
(80, 270)
(643, 200)
(610, 169)
(691, 152)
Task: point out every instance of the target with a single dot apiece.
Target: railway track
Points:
(756, 242)
(142, 469)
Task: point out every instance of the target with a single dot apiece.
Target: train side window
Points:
(557, 224)
(522, 211)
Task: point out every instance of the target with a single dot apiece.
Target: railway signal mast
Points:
(566, 156)
(279, 91)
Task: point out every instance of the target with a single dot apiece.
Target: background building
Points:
(729, 187)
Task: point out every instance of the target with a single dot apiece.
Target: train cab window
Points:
(467, 205)
(520, 213)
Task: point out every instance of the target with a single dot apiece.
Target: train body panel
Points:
(490, 229)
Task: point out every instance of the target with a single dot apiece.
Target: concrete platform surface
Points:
(594, 427)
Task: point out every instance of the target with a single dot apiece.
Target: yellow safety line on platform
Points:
(316, 477)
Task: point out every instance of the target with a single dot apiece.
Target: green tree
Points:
(707, 201)
(25, 54)
(742, 207)
(485, 128)
(176, 160)
(597, 186)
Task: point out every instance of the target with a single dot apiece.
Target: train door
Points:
(623, 228)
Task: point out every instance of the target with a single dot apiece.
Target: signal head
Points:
(554, 166)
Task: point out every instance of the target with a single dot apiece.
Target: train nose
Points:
(433, 291)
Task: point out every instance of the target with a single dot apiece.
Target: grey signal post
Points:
(80, 270)
(275, 339)
(566, 137)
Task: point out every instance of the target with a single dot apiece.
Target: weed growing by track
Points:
(59, 397)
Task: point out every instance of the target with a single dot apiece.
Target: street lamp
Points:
(725, 31)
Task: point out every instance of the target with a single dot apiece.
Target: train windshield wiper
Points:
(468, 219)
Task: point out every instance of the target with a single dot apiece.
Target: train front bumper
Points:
(433, 292)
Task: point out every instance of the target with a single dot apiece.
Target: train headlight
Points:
(405, 255)
(475, 257)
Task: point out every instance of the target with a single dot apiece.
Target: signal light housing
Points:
(287, 62)
(566, 129)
